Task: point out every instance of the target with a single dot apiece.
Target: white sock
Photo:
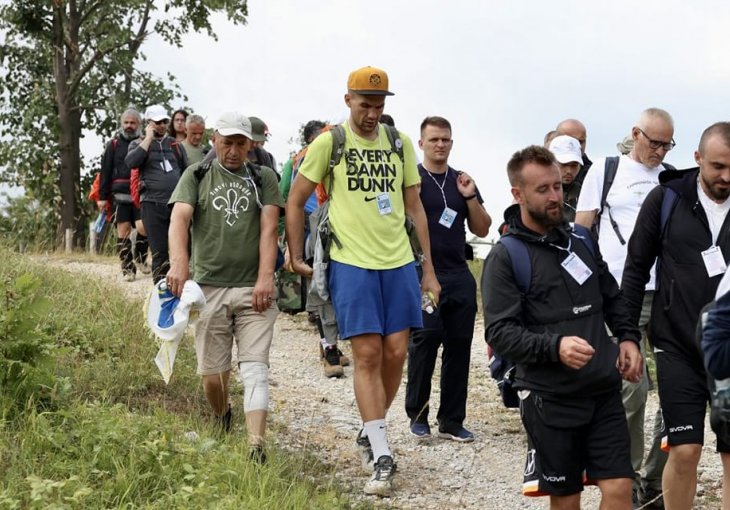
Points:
(375, 431)
(325, 343)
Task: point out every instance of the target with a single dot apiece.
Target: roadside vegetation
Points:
(86, 421)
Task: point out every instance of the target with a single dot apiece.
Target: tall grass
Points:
(109, 434)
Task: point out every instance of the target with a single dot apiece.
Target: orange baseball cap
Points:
(369, 81)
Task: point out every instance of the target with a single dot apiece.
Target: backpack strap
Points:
(609, 174)
(669, 200)
(396, 144)
(338, 149)
(585, 236)
(202, 169)
(519, 255)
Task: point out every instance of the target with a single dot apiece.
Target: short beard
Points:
(130, 135)
(544, 219)
(716, 193)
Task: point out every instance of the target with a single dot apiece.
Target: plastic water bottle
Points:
(427, 302)
(100, 221)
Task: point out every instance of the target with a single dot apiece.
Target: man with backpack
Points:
(612, 194)
(545, 310)
(451, 201)
(160, 160)
(234, 208)
(683, 227)
(372, 273)
(114, 186)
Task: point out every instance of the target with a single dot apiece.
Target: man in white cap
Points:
(613, 192)
(566, 150)
(234, 209)
(161, 161)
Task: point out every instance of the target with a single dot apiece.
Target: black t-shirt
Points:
(447, 244)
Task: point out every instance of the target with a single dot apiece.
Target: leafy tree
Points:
(70, 65)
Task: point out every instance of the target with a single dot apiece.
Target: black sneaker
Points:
(382, 482)
(223, 423)
(651, 499)
(366, 452)
(257, 454)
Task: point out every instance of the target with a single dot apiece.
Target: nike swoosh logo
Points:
(370, 199)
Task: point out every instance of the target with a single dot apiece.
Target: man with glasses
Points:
(683, 223)
(161, 161)
(611, 198)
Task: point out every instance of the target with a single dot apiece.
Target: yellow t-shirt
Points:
(367, 210)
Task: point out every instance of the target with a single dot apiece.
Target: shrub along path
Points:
(319, 415)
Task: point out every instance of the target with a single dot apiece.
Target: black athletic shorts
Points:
(126, 213)
(573, 442)
(684, 398)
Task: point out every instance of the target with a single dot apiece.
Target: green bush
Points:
(26, 365)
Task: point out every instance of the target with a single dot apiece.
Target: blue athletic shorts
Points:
(381, 301)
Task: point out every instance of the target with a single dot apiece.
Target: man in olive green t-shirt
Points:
(193, 143)
(234, 209)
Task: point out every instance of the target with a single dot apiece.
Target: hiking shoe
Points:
(128, 276)
(223, 423)
(312, 317)
(344, 360)
(421, 430)
(461, 435)
(366, 452)
(651, 499)
(257, 454)
(381, 483)
(143, 267)
(331, 363)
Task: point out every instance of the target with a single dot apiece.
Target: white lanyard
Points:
(568, 249)
(440, 186)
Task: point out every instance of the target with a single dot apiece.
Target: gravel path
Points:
(319, 414)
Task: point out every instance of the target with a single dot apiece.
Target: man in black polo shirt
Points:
(450, 198)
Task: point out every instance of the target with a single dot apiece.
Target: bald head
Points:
(654, 116)
(574, 128)
(719, 129)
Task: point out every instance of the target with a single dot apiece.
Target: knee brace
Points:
(255, 379)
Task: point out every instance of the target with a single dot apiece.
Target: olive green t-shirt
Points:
(226, 222)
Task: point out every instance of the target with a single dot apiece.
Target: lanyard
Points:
(440, 186)
(568, 249)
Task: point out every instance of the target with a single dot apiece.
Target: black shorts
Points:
(684, 397)
(574, 442)
(126, 213)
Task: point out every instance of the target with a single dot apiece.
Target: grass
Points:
(110, 434)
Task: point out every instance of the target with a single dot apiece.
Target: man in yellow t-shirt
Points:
(372, 275)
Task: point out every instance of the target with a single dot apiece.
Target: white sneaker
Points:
(382, 482)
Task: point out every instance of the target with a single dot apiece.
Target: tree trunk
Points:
(69, 119)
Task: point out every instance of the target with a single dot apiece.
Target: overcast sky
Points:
(503, 73)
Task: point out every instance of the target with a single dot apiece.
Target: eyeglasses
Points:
(656, 144)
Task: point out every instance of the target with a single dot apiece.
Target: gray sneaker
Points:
(382, 482)
(366, 452)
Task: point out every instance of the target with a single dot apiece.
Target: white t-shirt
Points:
(715, 212)
(632, 184)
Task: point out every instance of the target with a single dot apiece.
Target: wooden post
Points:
(92, 238)
(69, 240)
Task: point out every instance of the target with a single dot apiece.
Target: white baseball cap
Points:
(233, 123)
(566, 149)
(156, 113)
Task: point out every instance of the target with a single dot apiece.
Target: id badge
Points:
(447, 217)
(576, 268)
(714, 261)
(166, 166)
(384, 206)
